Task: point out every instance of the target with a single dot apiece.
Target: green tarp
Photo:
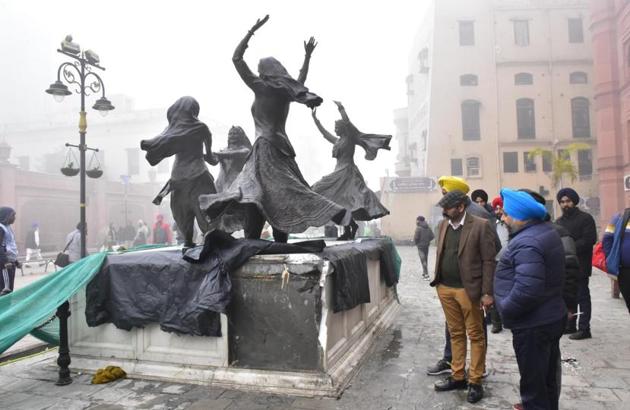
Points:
(25, 310)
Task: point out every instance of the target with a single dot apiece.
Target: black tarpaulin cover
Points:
(184, 295)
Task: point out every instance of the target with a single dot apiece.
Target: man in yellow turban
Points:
(450, 183)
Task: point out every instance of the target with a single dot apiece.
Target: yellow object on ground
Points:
(108, 374)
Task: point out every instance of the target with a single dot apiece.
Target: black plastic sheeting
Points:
(184, 295)
(350, 279)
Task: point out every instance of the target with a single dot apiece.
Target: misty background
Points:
(158, 51)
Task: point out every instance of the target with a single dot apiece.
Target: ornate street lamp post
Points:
(80, 75)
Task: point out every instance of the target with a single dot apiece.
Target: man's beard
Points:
(445, 215)
(569, 211)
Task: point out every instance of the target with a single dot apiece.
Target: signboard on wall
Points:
(410, 184)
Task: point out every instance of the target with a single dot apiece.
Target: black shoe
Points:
(581, 334)
(441, 367)
(7, 291)
(569, 330)
(497, 328)
(449, 384)
(475, 393)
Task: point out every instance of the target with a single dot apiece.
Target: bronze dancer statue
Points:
(232, 159)
(185, 137)
(271, 187)
(345, 185)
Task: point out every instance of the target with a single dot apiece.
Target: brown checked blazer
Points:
(476, 256)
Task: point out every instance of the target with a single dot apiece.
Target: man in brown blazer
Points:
(464, 273)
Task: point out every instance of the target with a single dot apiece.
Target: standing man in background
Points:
(422, 238)
(8, 251)
(32, 243)
(581, 227)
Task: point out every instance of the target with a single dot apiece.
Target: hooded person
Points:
(582, 228)
(345, 185)
(422, 238)
(528, 292)
(185, 137)
(232, 159)
(8, 250)
(271, 187)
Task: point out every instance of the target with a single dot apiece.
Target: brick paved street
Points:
(597, 376)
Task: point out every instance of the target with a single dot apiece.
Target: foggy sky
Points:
(157, 51)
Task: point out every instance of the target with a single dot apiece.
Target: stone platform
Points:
(280, 334)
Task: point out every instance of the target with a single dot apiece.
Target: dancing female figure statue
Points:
(232, 159)
(345, 185)
(185, 137)
(271, 187)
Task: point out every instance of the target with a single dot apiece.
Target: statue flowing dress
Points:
(185, 137)
(345, 185)
(271, 187)
(232, 159)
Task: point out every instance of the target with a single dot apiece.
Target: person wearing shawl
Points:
(8, 251)
(528, 291)
(271, 187)
(185, 137)
(232, 159)
(345, 185)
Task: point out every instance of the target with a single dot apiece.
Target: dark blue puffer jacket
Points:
(529, 278)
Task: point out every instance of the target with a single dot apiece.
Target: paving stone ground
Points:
(596, 372)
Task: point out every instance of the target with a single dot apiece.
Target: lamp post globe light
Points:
(79, 75)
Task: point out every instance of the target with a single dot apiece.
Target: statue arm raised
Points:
(209, 157)
(241, 66)
(308, 49)
(342, 111)
(331, 138)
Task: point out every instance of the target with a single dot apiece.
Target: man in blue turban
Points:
(528, 290)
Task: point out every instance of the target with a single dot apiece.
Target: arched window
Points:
(580, 117)
(523, 79)
(525, 118)
(578, 77)
(468, 80)
(471, 128)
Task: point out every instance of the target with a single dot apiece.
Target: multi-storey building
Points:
(611, 38)
(492, 81)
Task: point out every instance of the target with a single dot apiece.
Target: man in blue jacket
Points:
(528, 287)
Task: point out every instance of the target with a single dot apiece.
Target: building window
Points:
(456, 167)
(466, 33)
(468, 80)
(471, 127)
(547, 161)
(525, 118)
(473, 167)
(510, 162)
(523, 79)
(423, 60)
(133, 161)
(585, 163)
(530, 162)
(521, 33)
(576, 31)
(578, 78)
(580, 117)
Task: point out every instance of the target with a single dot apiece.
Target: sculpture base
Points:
(283, 336)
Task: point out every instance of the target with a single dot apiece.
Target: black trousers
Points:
(537, 352)
(185, 205)
(7, 278)
(624, 285)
